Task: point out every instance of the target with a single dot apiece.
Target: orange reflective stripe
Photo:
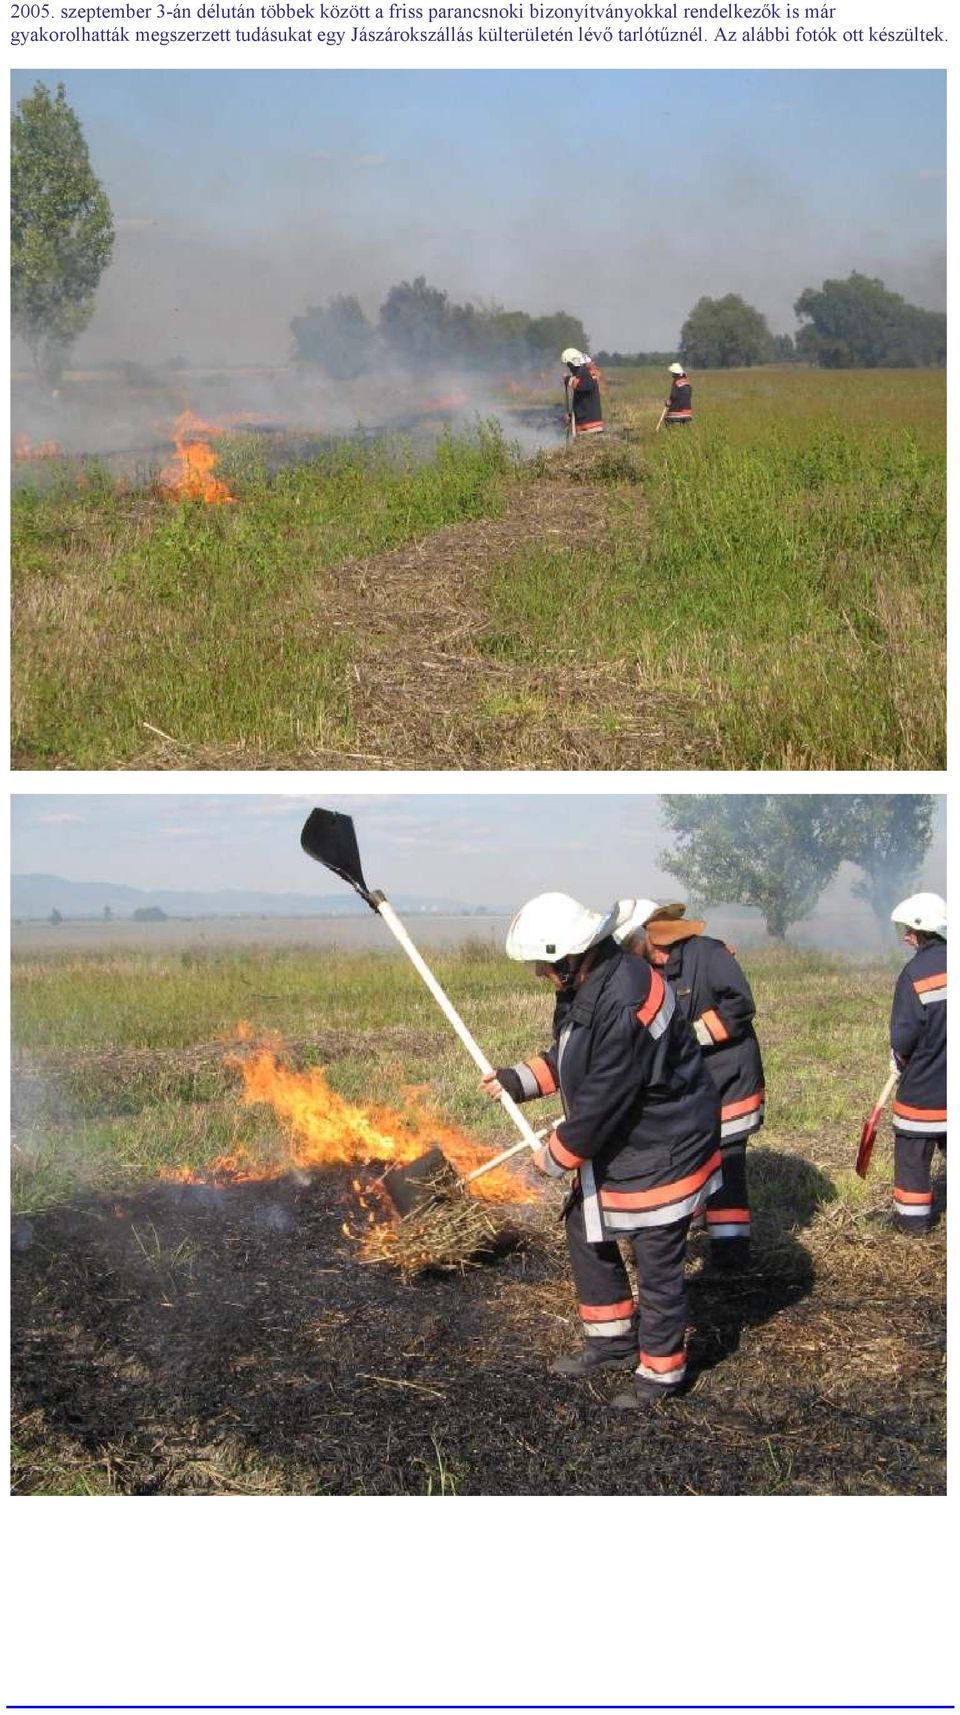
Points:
(564, 1157)
(541, 1069)
(926, 983)
(675, 1361)
(606, 1312)
(748, 1105)
(908, 1113)
(715, 1025)
(727, 1215)
(912, 1196)
(654, 1000)
(663, 1193)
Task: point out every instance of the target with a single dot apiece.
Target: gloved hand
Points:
(503, 1080)
(895, 1065)
(544, 1163)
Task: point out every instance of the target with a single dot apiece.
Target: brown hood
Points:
(666, 931)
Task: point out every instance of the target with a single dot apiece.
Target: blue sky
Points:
(479, 848)
(242, 197)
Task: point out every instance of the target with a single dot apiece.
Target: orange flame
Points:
(322, 1129)
(446, 402)
(24, 448)
(190, 476)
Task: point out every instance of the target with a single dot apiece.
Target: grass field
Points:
(765, 589)
(178, 1338)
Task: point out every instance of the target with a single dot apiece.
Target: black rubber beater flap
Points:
(329, 837)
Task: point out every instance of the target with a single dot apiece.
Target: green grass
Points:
(789, 572)
(119, 1073)
(765, 589)
(217, 625)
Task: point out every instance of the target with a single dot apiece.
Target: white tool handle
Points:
(505, 1154)
(530, 1139)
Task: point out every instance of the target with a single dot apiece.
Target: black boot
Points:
(588, 1359)
(643, 1395)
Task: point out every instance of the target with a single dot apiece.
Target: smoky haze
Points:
(242, 199)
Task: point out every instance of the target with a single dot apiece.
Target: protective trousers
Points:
(728, 1210)
(912, 1188)
(657, 1324)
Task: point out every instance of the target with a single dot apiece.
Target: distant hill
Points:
(35, 896)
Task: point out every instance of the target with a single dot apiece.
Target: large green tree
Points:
(725, 333)
(858, 323)
(774, 851)
(61, 228)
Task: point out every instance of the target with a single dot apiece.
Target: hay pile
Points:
(452, 1230)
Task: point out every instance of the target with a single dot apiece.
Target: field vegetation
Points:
(765, 589)
(180, 1339)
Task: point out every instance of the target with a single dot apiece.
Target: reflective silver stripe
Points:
(923, 1210)
(743, 1123)
(662, 1017)
(625, 1220)
(592, 1219)
(729, 1230)
(927, 1127)
(528, 1082)
(599, 1330)
(931, 995)
(561, 1045)
(702, 1034)
(666, 1378)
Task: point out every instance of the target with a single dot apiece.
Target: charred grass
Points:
(180, 1339)
(764, 590)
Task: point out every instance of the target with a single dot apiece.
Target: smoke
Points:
(241, 200)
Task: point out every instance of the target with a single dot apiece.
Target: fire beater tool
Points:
(329, 837)
(568, 397)
(872, 1125)
(660, 421)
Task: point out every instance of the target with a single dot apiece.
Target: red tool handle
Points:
(872, 1126)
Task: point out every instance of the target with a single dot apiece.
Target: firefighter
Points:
(715, 996)
(679, 406)
(640, 1137)
(582, 388)
(918, 1041)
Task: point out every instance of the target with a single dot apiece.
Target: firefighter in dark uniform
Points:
(640, 1136)
(715, 996)
(679, 406)
(918, 1040)
(582, 385)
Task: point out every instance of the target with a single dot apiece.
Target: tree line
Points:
(419, 326)
(847, 324)
(778, 852)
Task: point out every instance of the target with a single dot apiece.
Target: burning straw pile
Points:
(413, 1209)
(451, 1230)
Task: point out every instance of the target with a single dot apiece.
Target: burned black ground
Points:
(186, 1340)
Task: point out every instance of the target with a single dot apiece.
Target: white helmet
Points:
(676, 369)
(924, 911)
(572, 355)
(553, 925)
(634, 914)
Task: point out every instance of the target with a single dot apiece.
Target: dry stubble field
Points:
(208, 1335)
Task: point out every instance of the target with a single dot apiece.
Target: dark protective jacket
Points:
(715, 996)
(641, 1116)
(918, 1037)
(680, 402)
(584, 385)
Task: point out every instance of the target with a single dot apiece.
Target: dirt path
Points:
(427, 696)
